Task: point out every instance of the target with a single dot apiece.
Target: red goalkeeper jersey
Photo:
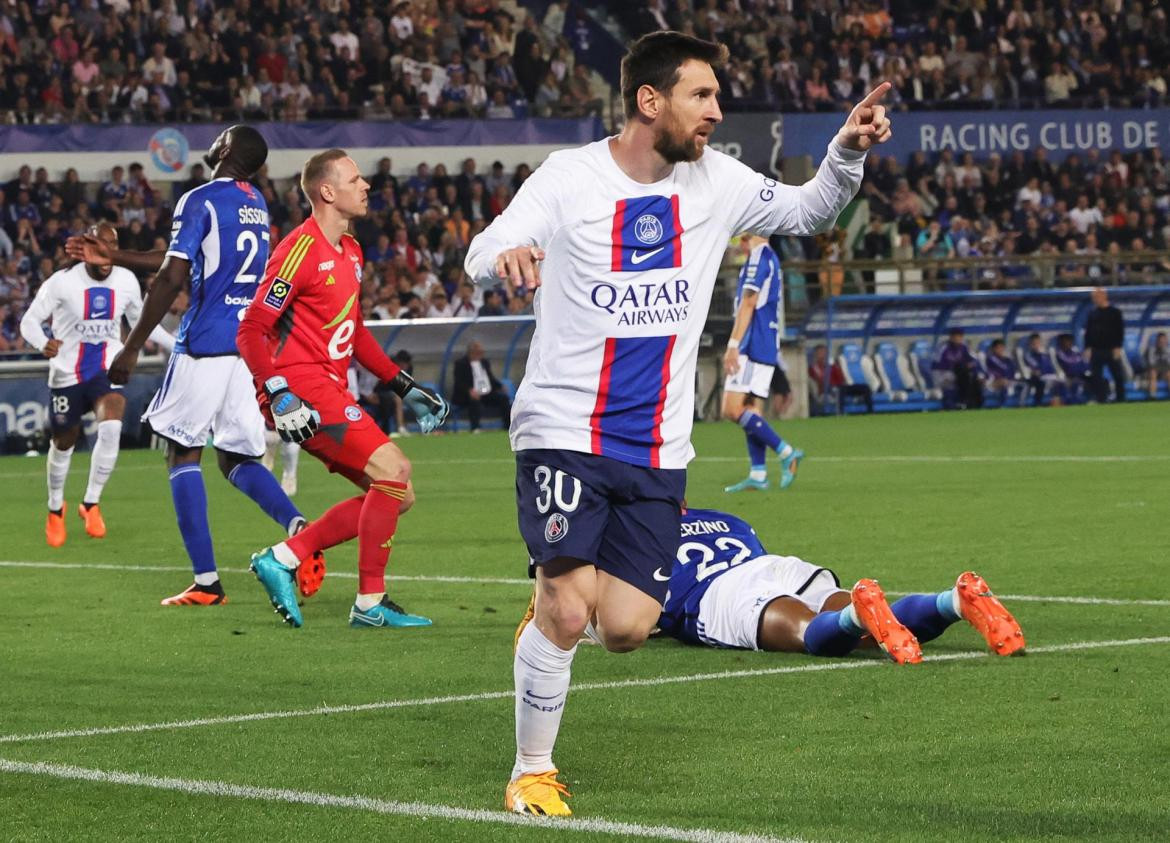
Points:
(307, 313)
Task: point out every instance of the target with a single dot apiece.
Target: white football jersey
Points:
(626, 284)
(86, 315)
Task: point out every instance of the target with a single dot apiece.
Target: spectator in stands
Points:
(1071, 362)
(838, 389)
(492, 304)
(466, 306)
(1002, 375)
(1104, 338)
(1158, 363)
(957, 373)
(476, 387)
(934, 243)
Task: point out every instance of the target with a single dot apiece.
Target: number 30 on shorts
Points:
(555, 493)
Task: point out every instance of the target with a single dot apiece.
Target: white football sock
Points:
(541, 672)
(57, 471)
(365, 602)
(210, 578)
(105, 455)
(290, 454)
(285, 556)
(786, 451)
(271, 441)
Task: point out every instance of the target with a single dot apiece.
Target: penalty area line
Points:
(421, 810)
(439, 578)
(647, 682)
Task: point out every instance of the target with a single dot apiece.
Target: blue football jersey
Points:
(761, 272)
(222, 228)
(711, 544)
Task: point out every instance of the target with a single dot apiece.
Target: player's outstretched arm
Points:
(169, 282)
(766, 207)
(428, 406)
(92, 250)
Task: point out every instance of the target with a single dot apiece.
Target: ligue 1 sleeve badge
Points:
(556, 528)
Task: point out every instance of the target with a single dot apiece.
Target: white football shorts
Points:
(203, 396)
(729, 613)
(751, 377)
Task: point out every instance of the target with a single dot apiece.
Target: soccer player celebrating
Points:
(86, 304)
(627, 234)
(219, 242)
(725, 590)
(750, 361)
(297, 337)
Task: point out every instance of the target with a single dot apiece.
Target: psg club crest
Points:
(168, 150)
(648, 229)
(556, 528)
(353, 413)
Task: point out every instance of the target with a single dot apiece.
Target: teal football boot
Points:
(280, 583)
(747, 484)
(788, 466)
(385, 614)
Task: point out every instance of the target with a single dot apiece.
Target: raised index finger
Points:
(875, 96)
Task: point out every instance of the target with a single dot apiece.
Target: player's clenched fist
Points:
(428, 406)
(520, 266)
(295, 420)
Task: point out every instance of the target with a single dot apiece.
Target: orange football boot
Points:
(537, 793)
(310, 574)
(195, 595)
(55, 528)
(874, 613)
(95, 525)
(980, 608)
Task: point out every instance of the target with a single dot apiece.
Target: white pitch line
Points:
(649, 682)
(1025, 598)
(203, 787)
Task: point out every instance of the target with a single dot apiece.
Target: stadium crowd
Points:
(822, 55)
(420, 224)
(134, 61)
(130, 61)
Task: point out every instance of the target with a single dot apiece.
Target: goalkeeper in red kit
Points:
(297, 337)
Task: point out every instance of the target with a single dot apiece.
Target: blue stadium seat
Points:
(921, 355)
(854, 364)
(1132, 363)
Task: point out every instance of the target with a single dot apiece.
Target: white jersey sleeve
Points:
(40, 311)
(764, 206)
(531, 219)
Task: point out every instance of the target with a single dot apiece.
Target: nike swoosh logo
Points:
(528, 691)
(636, 258)
(658, 575)
(368, 621)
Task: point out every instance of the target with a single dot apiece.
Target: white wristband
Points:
(733, 343)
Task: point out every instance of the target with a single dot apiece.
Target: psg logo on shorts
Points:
(353, 413)
(556, 528)
(648, 229)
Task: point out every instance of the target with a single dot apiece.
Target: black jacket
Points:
(464, 381)
(1105, 329)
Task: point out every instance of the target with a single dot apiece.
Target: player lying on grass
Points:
(726, 590)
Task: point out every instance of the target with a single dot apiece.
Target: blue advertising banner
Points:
(24, 405)
(173, 141)
(757, 139)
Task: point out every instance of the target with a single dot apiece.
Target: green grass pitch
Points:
(1064, 743)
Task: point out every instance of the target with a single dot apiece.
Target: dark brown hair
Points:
(655, 58)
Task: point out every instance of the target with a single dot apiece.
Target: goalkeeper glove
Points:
(428, 406)
(295, 420)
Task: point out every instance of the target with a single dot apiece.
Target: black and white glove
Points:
(295, 420)
(428, 406)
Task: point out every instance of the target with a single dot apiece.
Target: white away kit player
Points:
(626, 234)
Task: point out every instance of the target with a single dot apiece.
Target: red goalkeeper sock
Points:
(376, 526)
(338, 524)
